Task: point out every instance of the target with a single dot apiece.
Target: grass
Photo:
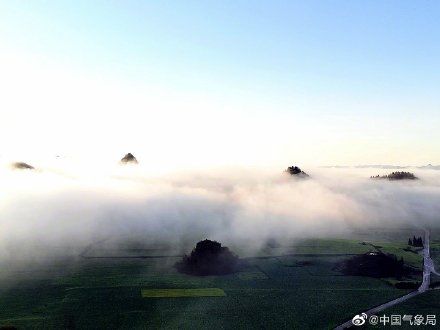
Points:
(410, 258)
(287, 291)
(326, 246)
(427, 303)
(177, 293)
(252, 275)
(346, 247)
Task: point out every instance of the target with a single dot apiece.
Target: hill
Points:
(397, 176)
(296, 171)
(129, 158)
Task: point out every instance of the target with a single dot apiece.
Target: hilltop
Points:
(397, 176)
(22, 166)
(129, 158)
(296, 171)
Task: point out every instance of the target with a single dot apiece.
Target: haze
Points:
(52, 211)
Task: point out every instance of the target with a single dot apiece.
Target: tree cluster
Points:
(416, 242)
(129, 158)
(375, 264)
(397, 176)
(22, 166)
(208, 258)
(296, 171)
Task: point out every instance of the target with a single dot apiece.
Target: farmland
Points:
(179, 293)
(427, 303)
(281, 287)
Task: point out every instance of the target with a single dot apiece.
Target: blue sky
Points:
(358, 77)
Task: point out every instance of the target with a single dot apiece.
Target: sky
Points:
(193, 84)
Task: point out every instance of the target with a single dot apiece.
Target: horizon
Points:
(297, 140)
(222, 84)
(87, 163)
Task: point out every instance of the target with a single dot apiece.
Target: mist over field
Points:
(61, 208)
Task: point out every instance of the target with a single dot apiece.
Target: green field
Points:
(178, 293)
(275, 289)
(427, 303)
(252, 275)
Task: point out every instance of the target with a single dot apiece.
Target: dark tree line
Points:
(416, 242)
(375, 264)
(397, 176)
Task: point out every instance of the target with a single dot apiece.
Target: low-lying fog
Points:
(61, 208)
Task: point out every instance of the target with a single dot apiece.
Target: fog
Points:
(61, 208)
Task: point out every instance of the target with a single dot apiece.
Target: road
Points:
(428, 264)
(428, 267)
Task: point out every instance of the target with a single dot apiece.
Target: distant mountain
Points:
(296, 171)
(22, 166)
(389, 167)
(129, 158)
(381, 166)
(397, 176)
(336, 166)
(430, 167)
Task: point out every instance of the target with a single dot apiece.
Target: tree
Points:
(416, 241)
(296, 171)
(396, 176)
(379, 265)
(129, 158)
(22, 166)
(209, 258)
